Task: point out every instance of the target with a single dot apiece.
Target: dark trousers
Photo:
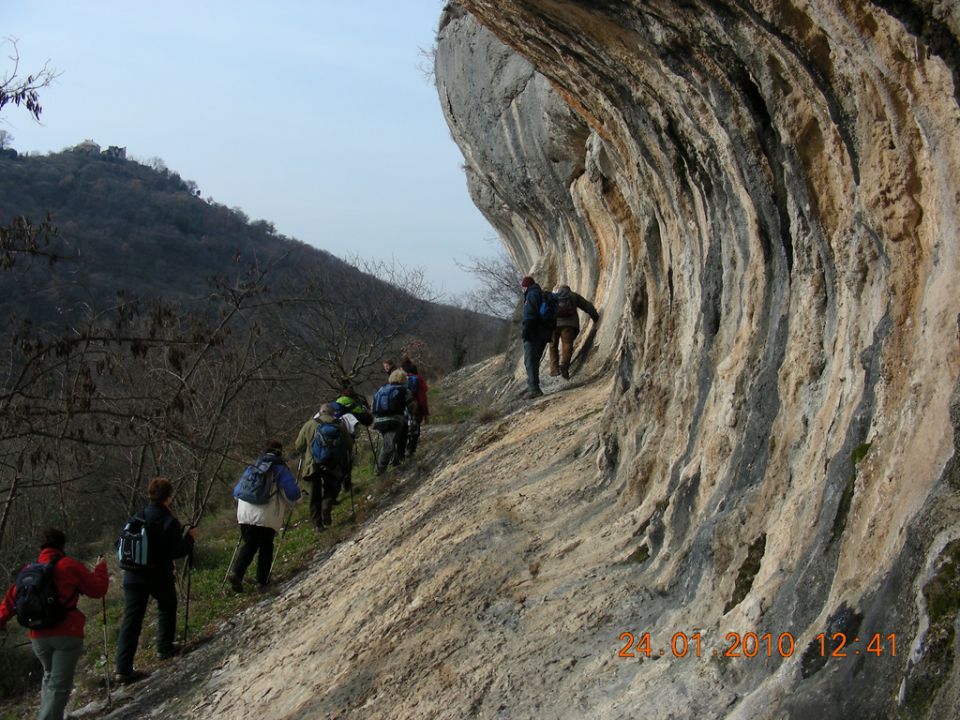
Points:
(255, 539)
(532, 354)
(135, 599)
(394, 445)
(413, 434)
(326, 487)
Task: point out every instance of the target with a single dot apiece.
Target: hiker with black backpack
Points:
(391, 405)
(536, 329)
(44, 599)
(264, 493)
(327, 448)
(418, 386)
(569, 304)
(355, 404)
(152, 577)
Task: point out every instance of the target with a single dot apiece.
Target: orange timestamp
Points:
(751, 644)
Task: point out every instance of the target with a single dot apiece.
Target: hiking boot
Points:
(236, 583)
(555, 371)
(565, 372)
(264, 586)
(130, 677)
(173, 651)
(534, 394)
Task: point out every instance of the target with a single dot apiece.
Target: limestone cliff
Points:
(763, 199)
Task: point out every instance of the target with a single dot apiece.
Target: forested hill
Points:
(123, 226)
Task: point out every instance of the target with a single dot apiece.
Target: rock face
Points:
(763, 199)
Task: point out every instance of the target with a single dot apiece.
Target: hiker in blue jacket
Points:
(535, 334)
(392, 403)
(259, 523)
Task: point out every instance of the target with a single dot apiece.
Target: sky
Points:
(313, 115)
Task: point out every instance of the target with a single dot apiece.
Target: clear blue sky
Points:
(312, 115)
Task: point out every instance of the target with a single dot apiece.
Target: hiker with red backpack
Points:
(44, 598)
(392, 403)
(569, 304)
(264, 493)
(327, 449)
(418, 386)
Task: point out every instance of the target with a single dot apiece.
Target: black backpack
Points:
(37, 599)
(566, 305)
(133, 546)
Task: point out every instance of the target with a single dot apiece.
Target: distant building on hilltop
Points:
(88, 146)
(115, 153)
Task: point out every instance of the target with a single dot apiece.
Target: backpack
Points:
(327, 448)
(413, 382)
(566, 305)
(37, 600)
(133, 551)
(389, 400)
(256, 482)
(548, 308)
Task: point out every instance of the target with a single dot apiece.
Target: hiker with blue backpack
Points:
(326, 446)
(418, 386)
(44, 599)
(536, 329)
(392, 403)
(569, 305)
(167, 540)
(264, 493)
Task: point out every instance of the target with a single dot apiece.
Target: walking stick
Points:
(186, 606)
(373, 452)
(106, 656)
(232, 558)
(283, 532)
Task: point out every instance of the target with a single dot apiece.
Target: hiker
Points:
(59, 647)
(567, 329)
(356, 405)
(391, 404)
(418, 386)
(388, 367)
(260, 521)
(535, 333)
(169, 540)
(325, 475)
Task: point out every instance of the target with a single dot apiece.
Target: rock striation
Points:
(763, 199)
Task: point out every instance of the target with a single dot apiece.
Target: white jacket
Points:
(271, 515)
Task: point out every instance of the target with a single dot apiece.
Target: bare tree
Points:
(499, 289)
(344, 323)
(20, 90)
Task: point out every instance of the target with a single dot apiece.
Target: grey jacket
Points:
(580, 303)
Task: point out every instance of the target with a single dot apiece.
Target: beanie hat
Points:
(526, 282)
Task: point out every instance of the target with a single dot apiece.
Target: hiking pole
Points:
(106, 656)
(186, 605)
(232, 558)
(373, 452)
(283, 532)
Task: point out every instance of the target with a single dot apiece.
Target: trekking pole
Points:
(283, 532)
(373, 452)
(106, 656)
(186, 605)
(232, 558)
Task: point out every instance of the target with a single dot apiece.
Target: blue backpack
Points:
(327, 447)
(389, 400)
(256, 483)
(413, 382)
(549, 303)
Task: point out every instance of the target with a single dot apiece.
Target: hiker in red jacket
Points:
(418, 386)
(59, 647)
